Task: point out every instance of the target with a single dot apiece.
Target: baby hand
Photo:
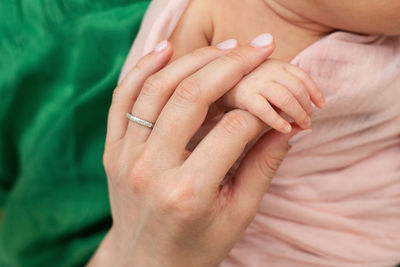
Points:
(276, 84)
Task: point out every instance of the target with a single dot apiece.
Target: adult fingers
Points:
(127, 91)
(221, 147)
(258, 167)
(158, 88)
(186, 109)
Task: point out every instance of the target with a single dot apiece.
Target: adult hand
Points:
(168, 205)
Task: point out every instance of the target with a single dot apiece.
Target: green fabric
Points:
(59, 63)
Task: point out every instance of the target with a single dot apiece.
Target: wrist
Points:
(109, 253)
(105, 254)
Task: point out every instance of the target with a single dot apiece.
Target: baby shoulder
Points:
(194, 29)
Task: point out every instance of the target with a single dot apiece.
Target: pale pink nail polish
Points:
(161, 46)
(297, 137)
(227, 44)
(262, 40)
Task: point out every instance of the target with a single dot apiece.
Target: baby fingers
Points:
(315, 93)
(260, 108)
(297, 88)
(281, 97)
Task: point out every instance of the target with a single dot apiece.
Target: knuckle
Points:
(240, 100)
(236, 57)
(140, 67)
(299, 90)
(200, 53)
(188, 90)
(235, 122)
(139, 184)
(302, 74)
(287, 100)
(152, 86)
(299, 71)
(182, 202)
(142, 165)
(238, 97)
(140, 174)
(109, 162)
(268, 163)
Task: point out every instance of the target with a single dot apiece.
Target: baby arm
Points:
(273, 87)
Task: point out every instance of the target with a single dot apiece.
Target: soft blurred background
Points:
(59, 63)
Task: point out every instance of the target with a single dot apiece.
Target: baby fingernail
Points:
(227, 44)
(297, 137)
(287, 128)
(262, 40)
(307, 122)
(161, 46)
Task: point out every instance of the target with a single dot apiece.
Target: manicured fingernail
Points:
(161, 46)
(297, 137)
(227, 44)
(262, 40)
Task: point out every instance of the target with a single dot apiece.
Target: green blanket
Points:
(59, 63)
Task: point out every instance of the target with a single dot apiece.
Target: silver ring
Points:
(139, 120)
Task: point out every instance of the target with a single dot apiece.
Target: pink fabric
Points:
(335, 200)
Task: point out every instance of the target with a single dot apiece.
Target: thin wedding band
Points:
(139, 120)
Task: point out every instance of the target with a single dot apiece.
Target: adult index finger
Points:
(187, 108)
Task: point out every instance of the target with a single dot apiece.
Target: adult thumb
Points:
(259, 166)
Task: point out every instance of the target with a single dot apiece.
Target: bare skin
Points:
(168, 206)
(202, 25)
(294, 24)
